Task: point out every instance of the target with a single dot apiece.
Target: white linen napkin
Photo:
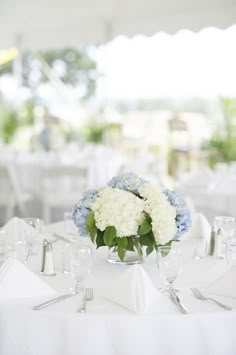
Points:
(224, 285)
(201, 233)
(17, 281)
(17, 228)
(201, 228)
(133, 289)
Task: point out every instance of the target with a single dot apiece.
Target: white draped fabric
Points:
(108, 328)
(40, 25)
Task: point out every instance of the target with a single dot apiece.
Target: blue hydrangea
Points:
(82, 209)
(183, 214)
(127, 181)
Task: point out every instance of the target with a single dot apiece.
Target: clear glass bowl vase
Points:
(131, 257)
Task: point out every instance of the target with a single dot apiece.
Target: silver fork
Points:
(88, 296)
(200, 296)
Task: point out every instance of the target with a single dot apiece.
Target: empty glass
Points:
(231, 254)
(226, 224)
(70, 227)
(169, 262)
(3, 246)
(80, 265)
(21, 250)
(36, 239)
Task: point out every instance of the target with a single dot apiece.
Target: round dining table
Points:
(108, 328)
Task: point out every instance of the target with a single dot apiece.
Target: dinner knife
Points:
(60, 237)
(178, 302)
(54, 300)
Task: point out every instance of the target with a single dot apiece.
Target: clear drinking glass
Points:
(21, 250)
(169, 262)
(3, 246)
(34, 241)
(80, 265)
(70, 227)
(227, 225)
(231, 254)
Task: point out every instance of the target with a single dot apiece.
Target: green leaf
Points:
(93, 234)
(130, 244)
(137, 247)
(90, 222)
(109, 235)
(163, 251)
(145, 227)
(99, 239)
(123, 242)
(121, 253)
(149, 249)
(146, 239)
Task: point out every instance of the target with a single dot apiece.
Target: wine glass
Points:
(37, 224)
(80, 265)
(169, 262)
(231, 254)
(70, 227)
(3, 246)
(226, 224)
(21, 250)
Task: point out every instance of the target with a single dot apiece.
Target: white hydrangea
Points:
(118, 208)
(161, 212)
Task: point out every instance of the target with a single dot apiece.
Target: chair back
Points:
(64, 182)
(6, 189)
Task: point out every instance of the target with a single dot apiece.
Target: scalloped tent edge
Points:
(34, 25)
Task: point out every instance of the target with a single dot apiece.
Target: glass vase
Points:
(131, 257)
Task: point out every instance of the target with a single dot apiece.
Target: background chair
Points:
(7, 196)
(61, 187)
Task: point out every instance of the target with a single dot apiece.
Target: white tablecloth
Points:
(108, 328)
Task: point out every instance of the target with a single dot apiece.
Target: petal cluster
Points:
(183, 215)
(160, 211)
(118, 208)
(82, 209)
(127, 181)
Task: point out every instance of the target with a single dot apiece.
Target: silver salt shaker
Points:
(48, 267)
(211, 246)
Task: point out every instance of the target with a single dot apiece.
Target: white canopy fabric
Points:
(57, 23)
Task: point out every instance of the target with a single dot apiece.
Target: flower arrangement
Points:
(130, 213)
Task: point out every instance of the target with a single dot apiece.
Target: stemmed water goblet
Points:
(169, 262)
(37, 225)
(80, 265)
(70, 228)
(227, 225)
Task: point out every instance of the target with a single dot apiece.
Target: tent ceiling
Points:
(58, 23)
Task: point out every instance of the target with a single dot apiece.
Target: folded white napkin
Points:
(224, 285)
(17, 281)
(200, 232)
(133, 290)
(17, 229)
(201, 228)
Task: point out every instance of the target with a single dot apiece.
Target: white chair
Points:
(21, 197)
(62, 186)
(7, 196)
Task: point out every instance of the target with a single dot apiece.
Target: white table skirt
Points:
(108, 328)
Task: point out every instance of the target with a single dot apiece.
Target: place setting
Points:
(35, 264)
